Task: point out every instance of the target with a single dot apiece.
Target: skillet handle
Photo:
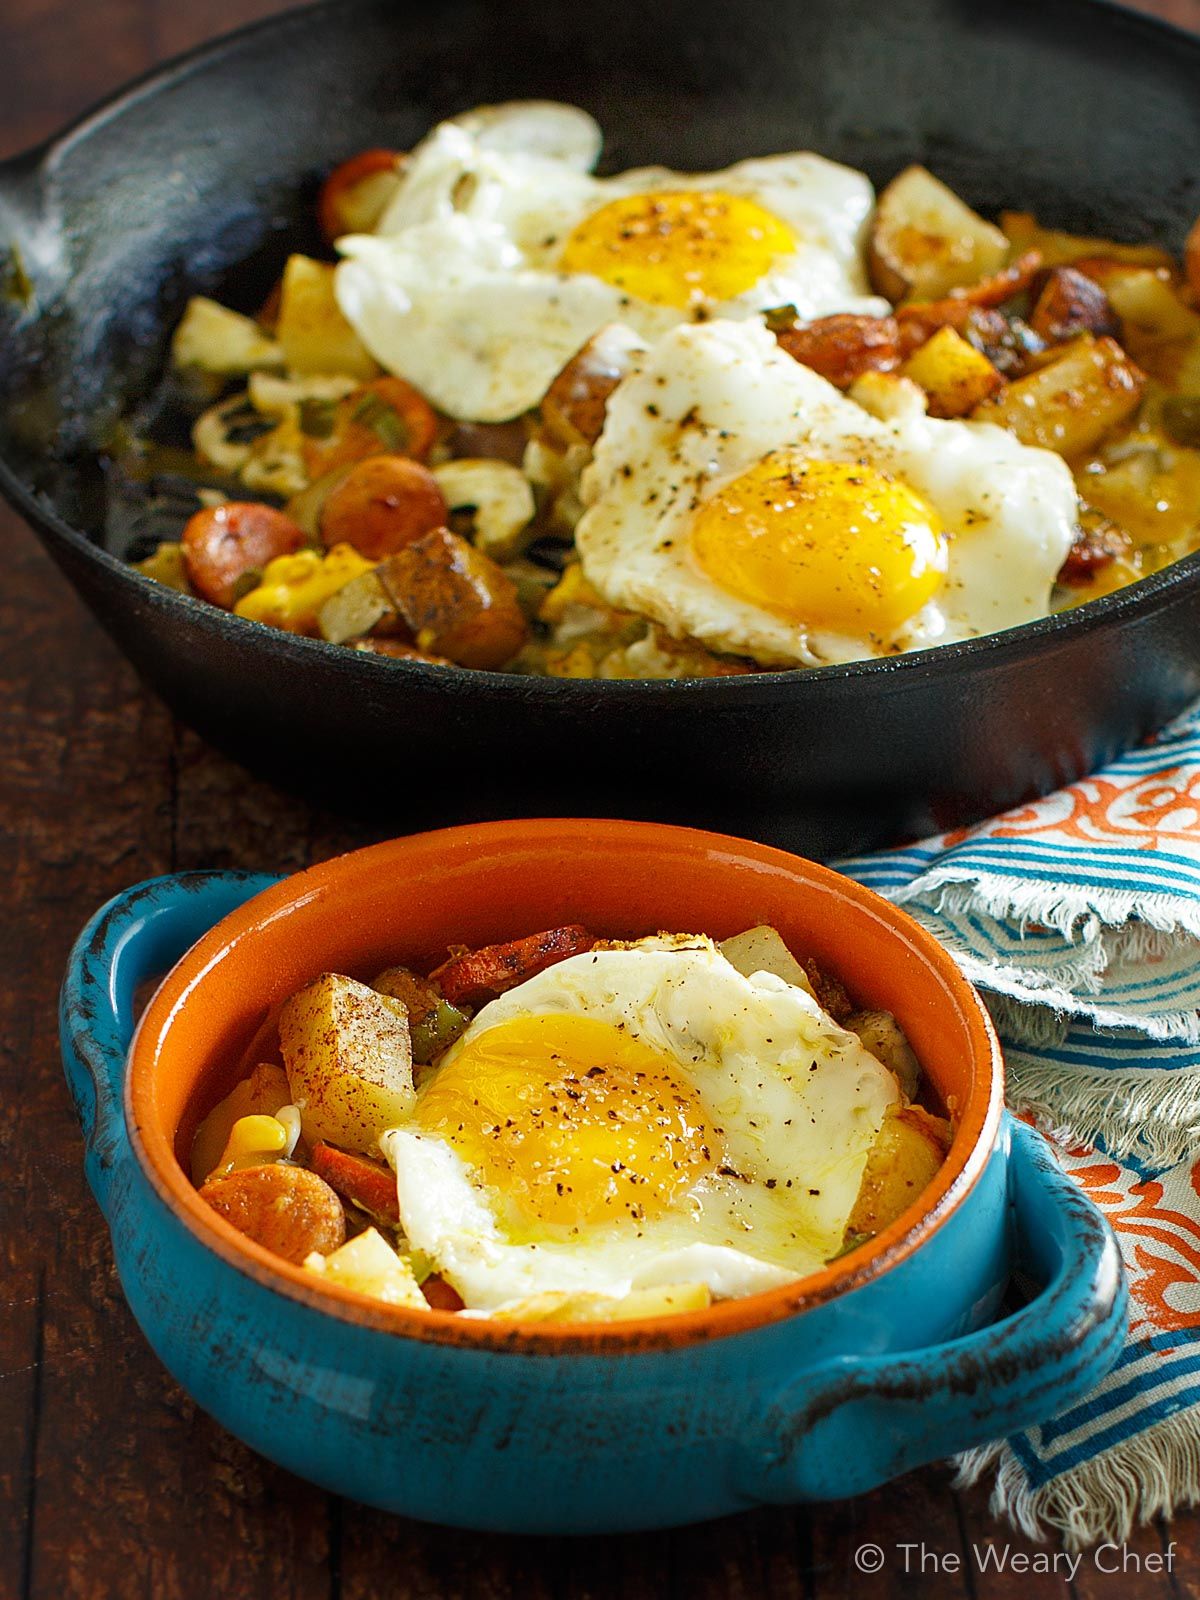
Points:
(857, 1421)
(138, 935)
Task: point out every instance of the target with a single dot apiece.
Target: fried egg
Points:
(738, 498)
(635, 1117)
(498, 257)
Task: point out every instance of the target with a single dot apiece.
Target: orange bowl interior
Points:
(406, 900)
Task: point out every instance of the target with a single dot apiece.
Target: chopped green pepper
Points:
(1181, 419)
(383, 420)
(436, 1031)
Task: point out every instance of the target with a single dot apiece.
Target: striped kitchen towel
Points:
(1078, 916)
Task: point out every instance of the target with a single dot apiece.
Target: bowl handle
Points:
(138, 935)
(857, 1421)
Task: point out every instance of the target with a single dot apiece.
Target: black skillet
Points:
(198, 178)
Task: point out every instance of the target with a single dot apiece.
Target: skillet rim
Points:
(1043, 634)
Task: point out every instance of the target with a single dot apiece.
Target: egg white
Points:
(458, 290)
(709, 401)
(798, 1099)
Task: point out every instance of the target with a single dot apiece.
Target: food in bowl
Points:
(662, 425)
(561, 1128)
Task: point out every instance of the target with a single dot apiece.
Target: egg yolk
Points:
(832, 544)
(570, 1120)
(679, 248)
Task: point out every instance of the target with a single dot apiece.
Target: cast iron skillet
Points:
(1079, 111)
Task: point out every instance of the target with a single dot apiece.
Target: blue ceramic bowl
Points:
(890, 1358)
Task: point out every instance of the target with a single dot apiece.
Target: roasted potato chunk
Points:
(883, 1036)
(925, 241)
(313, 333)
(1072, 402)
(762, 949)
(368, 1265)
(288, 1210)
(574, 406)
(497, 498)
(908, 1150)
(844, 346)
(1071, 303)
(220, 341)
(456, 602)
(360, 607)
(1061, 249)
(348, 1057)
(1191, 259)
(955, 376)
(356, 194)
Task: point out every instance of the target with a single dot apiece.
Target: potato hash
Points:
(564, 1128)
(664, 424)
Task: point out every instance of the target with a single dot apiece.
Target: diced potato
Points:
(925, 241)
(312, 331)
(499, 497)
(908, 1151)
(288, 1210)
(1148, 305)
(368, 1265)
(349, 1061)
(762, 949)
(357, 192)
(954, 375)
(1159, 330)
(1191, 259)
(883, 1036)
(221, 341)
(888, 396)
(1072, 402)
(574, 407)
(261, 1094)
(578, 1306)
(1060, 249)
(166, 566)
(358, 608)
(1071, 303)
(455, 600)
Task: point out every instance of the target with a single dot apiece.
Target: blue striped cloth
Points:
(1079, 918)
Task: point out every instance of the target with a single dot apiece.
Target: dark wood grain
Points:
(111, 1482)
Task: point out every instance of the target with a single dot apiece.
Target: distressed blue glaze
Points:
(903, 1370)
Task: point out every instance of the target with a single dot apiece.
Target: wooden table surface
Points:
(111, 1481)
